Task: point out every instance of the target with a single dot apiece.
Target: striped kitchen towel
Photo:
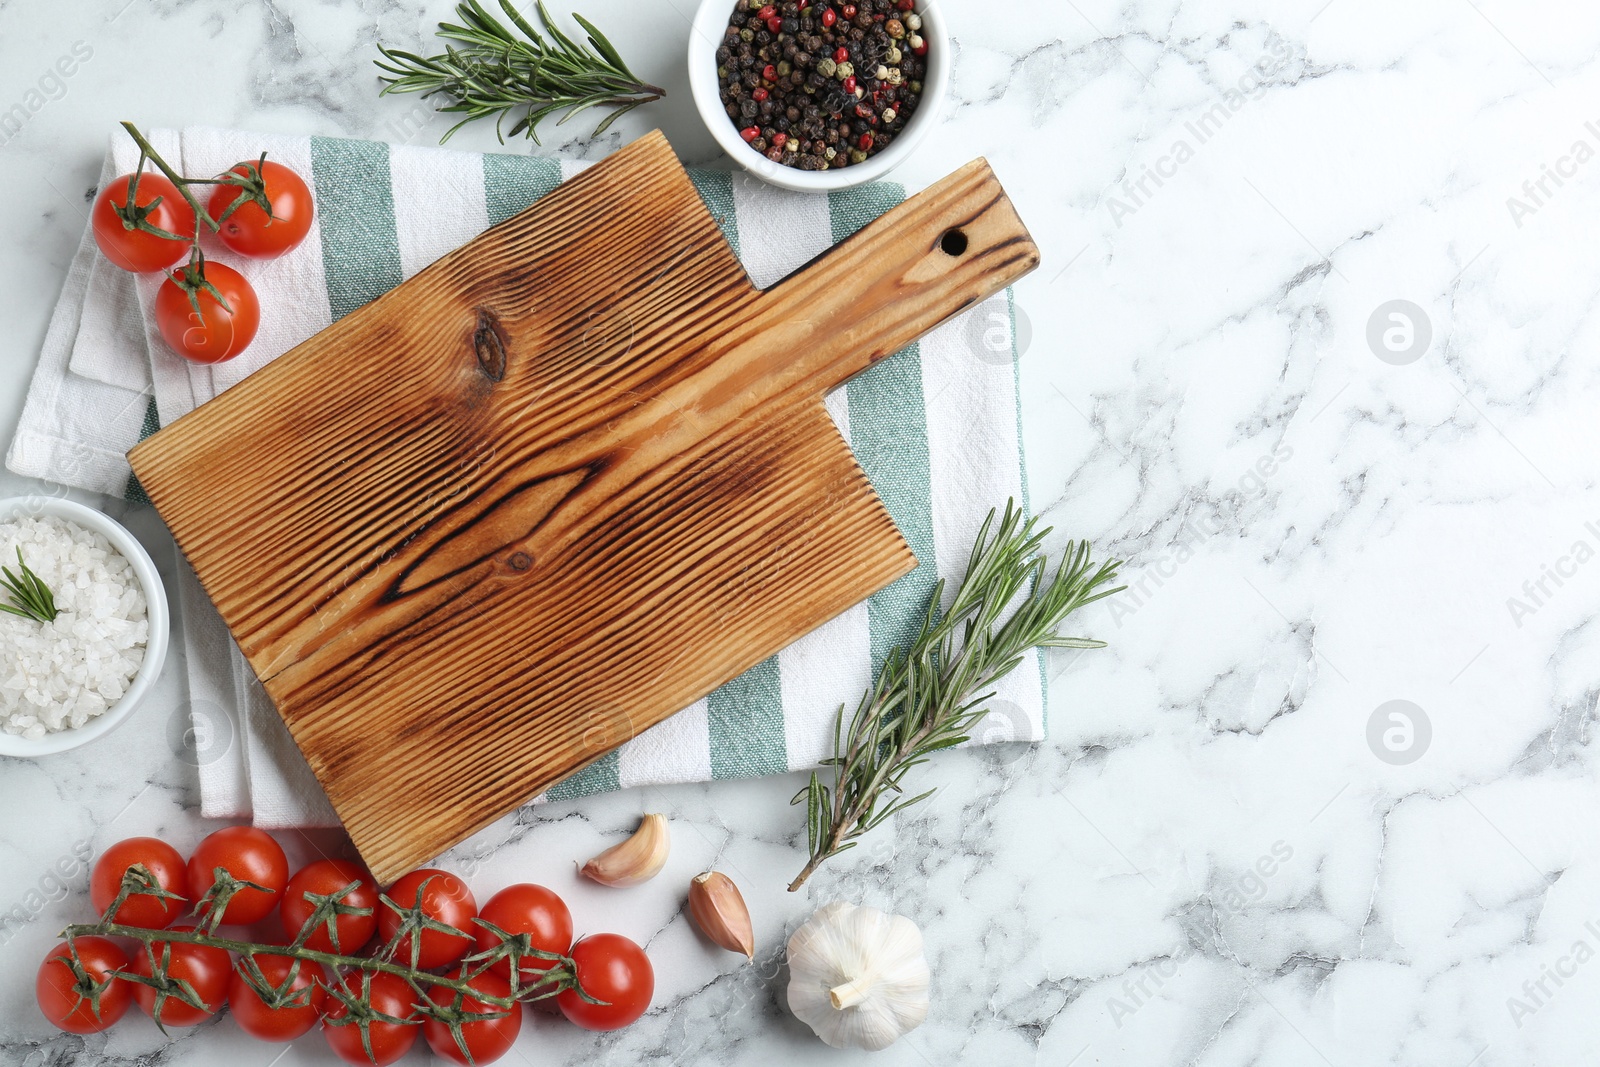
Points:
(936, 429)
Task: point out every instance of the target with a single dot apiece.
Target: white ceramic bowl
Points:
(155, 596)
(711, 22)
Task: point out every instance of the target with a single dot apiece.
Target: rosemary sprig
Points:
(497, 72)
(30, 597)
(928, 697)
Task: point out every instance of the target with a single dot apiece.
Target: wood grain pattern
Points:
(562, 483)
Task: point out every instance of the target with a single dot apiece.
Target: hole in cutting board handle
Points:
(953, 243)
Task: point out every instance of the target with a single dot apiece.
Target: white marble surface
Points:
(1208, 863)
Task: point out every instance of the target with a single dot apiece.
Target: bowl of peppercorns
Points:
(818, 94)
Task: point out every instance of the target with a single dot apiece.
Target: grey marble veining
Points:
(1228, 853)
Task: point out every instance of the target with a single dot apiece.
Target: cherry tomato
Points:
(324, 878)
(442, 897)
(277, 1024)
(161, 860)
(135, 250)
(67, 1005)
(486, 1039)
(214, 333)
(249, 855)
(204, 967)
(613, 969)
(390, 995)
(527, 909)
(248, 231)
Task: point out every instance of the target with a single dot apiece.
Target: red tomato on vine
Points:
(486, 1040)
(213, 333)
(255, 1017)
(247, 855)
(529, 909)
(141, 909)
(134, 249)
(70, 1003)
(613, 969)
(203, 968)
(442, 898)
(326, 878)
(249, 231)
(389, 995)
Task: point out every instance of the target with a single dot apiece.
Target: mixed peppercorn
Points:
(818, 86)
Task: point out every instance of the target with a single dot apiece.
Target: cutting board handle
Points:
(943, 250)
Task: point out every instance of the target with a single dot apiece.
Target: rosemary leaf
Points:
(30, 597)
(488, 69)
(929, 695)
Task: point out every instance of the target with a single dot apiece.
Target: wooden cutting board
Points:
(562, 483)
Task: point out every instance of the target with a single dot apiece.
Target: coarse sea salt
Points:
(58, 675)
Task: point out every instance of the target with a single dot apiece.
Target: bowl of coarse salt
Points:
(76, 676)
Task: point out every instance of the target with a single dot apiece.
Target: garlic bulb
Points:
(857, 976)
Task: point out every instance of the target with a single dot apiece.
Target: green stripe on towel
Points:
(511, 183)
(134, 492)
(355, 212)
(889, 434)
(745, 719)
(599, 777)
(716, 189)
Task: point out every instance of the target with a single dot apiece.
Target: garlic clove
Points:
(857, 976)
(718, 909)
(638, 859)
